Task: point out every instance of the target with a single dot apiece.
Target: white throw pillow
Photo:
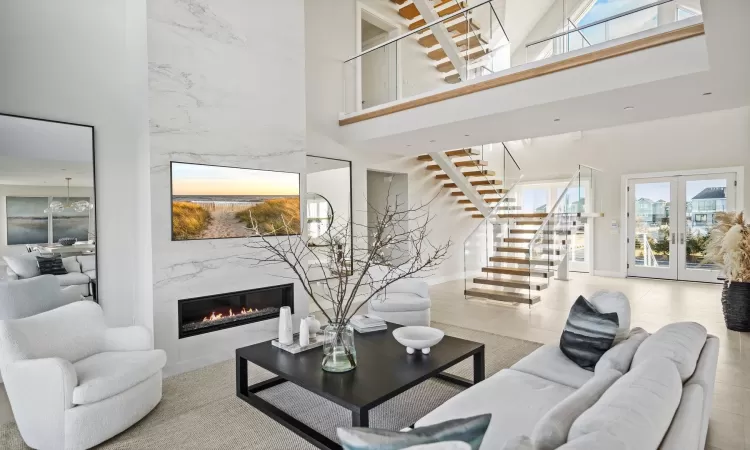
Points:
(552, 430)
(617, 302)
(680, 342)
(24, 266)
(638, 409)
(621, 355)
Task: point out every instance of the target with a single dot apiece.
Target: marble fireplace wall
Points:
(227, 87)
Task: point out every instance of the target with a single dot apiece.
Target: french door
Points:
(668, 223)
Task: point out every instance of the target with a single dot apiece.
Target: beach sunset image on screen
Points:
(213, 202)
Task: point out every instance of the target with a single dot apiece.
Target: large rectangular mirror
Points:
(328, 212)
(47, 198)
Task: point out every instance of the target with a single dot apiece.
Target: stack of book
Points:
(368, 324)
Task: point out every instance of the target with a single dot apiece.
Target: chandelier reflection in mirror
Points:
(77, 206)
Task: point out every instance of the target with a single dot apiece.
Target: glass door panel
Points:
(651, 226)
(701, 198)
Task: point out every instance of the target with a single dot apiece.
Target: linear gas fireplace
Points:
(217, 312)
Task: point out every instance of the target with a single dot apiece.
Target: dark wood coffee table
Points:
(384, 370)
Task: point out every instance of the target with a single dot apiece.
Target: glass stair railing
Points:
(512, 256)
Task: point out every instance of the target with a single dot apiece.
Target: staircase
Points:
(512, 255)
(464, 43)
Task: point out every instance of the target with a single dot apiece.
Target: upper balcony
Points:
(453, 49)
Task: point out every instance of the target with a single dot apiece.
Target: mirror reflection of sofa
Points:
(81, 271)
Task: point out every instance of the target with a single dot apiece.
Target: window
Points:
(701, 218)
(27, 223)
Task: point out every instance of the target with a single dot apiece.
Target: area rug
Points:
(199, 409)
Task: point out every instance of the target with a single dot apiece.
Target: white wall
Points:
(227, 87)
(84, 61)
(30, 191)
(710, 140)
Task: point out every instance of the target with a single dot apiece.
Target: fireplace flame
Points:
(217, 316)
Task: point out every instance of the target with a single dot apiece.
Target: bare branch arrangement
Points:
(396, 242)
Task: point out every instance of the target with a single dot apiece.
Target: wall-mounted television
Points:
(216, 202)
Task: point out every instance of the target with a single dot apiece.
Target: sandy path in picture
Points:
(224, 224)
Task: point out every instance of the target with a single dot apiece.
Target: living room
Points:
(171, 94)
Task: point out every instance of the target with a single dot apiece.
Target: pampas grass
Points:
(729, 246)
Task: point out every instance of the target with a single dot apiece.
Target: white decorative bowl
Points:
(418, 338)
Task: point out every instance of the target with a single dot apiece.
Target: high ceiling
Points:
(41, 153)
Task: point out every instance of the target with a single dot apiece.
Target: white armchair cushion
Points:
(409, 286)
(107, 374)
(25, 266)
(127, 339)
(72, 332)
(400, 302)
(27, 297)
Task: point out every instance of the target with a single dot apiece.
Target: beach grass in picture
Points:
(214, 202)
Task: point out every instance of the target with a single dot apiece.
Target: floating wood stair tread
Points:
(516, 272)
(476, 183)
(464, 152)
(529, 222)
(398, 2)
(527, 241)
(460, 164)
(480, 192)
(522, 261)
(532, 231)
(551, 251)
(472, 42)
(510, 283)
(452, 79)
(502, 296)
(441, 13)
(456, 30)
(500, 208)
(522, 215)
(409, 11)
(474, 173)
(490, 200)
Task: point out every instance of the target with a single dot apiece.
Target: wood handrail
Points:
(557, 66)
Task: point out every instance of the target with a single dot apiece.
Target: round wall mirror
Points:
(319, 215)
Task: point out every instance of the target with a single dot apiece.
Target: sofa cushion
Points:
(588, 333)
(106, 374)
(552, 430)
(637, 409)
(549, 362)
(680, 342)
(515, 399)
(72, 279)
(621, 355)
(91, 274)
(71, 264)
(617, 302)
(685, 429)
(596, 441)
(24, 266)
(399, 302)
(469, 430)
(87, 262)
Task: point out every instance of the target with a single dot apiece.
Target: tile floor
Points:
(654, 303)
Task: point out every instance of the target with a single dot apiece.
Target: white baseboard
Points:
(609, 274)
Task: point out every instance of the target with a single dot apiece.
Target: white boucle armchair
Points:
(405, 302)
(72, 381)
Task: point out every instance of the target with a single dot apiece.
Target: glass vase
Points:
(339, 354)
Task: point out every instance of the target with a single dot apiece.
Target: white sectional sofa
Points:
(81, 271)
(647, 392)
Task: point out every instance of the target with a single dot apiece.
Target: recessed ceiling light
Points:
(707, 93)
(556, 120)
(629, 108)
(433, 140)
(408, 145)
(466, 135)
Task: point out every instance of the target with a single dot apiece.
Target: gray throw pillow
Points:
(470, 430)
(588, 334)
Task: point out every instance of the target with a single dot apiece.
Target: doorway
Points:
(378, 69)
(669, 219)
(388, 191)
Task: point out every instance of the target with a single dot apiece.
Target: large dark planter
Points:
(735, 301)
